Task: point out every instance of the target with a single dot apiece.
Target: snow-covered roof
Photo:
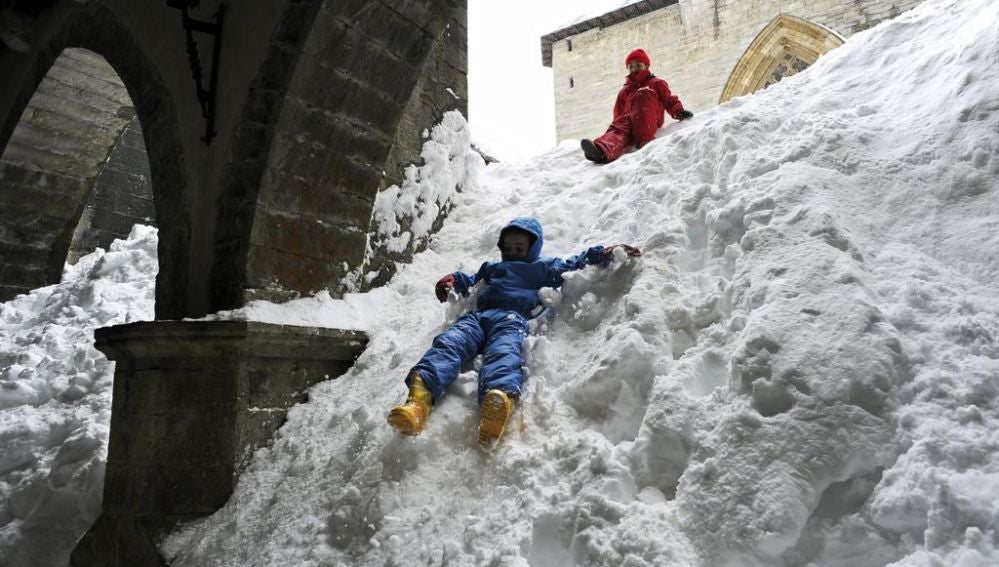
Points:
(627, 11)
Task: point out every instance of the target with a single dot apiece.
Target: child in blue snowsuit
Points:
(496, 328)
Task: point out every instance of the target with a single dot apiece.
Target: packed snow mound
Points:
(55, 397)
(802, 369)
(403, 217)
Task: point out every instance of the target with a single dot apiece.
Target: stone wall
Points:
(442, 87)
(49, 167)
(192, 401)
(59, 27)
(370, 79)
(122, 197)
(314, 103)
(693, 44)
(317, 106)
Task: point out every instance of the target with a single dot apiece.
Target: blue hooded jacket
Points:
(514, 284)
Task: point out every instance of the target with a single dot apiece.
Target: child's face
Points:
(516, 245)
(636, 66)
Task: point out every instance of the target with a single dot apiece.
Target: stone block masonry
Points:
(317, 107)
(192, 400)
(122, 196)
(50, 167)
(363, 92)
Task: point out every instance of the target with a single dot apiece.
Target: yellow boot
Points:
(411, 417)
(496, 409)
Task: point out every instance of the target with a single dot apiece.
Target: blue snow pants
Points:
(497, 333)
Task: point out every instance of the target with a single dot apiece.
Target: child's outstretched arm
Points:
(630, 250)
(595, 255)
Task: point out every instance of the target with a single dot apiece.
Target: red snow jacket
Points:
(644, 78)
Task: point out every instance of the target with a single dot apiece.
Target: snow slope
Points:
(802, 369)
(55, 397)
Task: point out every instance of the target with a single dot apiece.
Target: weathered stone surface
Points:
(338, 207)
(326, 98)
(122, 196)
(370, 75)
(51, 163)
(442, 87)
(134, 543)
(192, 400)
(318, 104)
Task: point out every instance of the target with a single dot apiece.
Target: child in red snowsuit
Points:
(638, 112)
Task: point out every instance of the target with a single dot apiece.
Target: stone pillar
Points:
(192, 401)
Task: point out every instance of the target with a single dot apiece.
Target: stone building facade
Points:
(709, 51)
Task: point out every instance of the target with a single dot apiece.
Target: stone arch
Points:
(63, 189)
(316, 140)
(95, 29)
(122, 196)
(787, 45)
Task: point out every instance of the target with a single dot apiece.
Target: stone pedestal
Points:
(192, 401)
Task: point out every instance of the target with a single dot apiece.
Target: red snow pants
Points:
(636, 126)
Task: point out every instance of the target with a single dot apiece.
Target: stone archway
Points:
(318, 105)
(337, 111)
(787, 45)
(53, 164)
(324, 103)
(122, 196)
(94, 29)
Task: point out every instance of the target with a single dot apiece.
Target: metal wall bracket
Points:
(206, 97)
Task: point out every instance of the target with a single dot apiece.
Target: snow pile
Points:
(802, 368)
(403, 216)
(55, 397)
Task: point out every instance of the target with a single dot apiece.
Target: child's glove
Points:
(443, 287)
(684, 114)
(608, 252)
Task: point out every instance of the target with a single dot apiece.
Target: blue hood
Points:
(530, 225)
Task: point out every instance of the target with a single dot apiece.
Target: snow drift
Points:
(55, 397)
(802, 369)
